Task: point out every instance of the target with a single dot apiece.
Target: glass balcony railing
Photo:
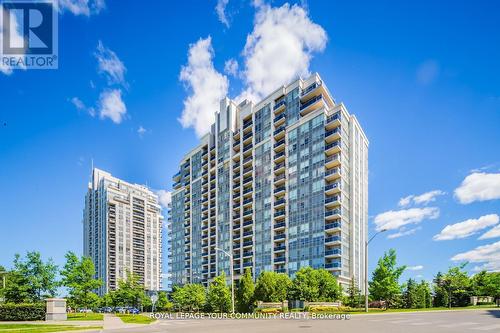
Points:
(279, 104)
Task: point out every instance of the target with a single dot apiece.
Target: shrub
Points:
(485, 303)
(269, 310)
(22, 311)
(327, 308)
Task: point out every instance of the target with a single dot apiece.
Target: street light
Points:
(366, 267)
(232, 275)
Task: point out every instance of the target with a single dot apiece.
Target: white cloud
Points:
(467, 228)
(112, 106)
(82, 7)
(403, 202)
(492, 233)
(220, 9)
(231, 67)
(427, 72)
(415, 268)
(421, 199)
(16, 38)
(479, 186)
(80, 106)
(392, 220)
(141, 131)
(487, 254)
(207, 87)
(110, 65)
(279, 49)
(164, 198)
(403, 232)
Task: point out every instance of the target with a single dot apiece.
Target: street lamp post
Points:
(232, 276)
(366, 267)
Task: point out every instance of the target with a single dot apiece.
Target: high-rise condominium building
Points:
(279, 185)
(122, 226)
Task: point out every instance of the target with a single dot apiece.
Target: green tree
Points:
(218, 295)
(163, 304)
(314, 285)
(385, 279)
(78, 277)
(441, 297)
(272, 287)
(245, 293)
(410, 294)
(458, 284)
(190, 297)
(130, 292)
(353, 294)
(424, 295)
(31, 280)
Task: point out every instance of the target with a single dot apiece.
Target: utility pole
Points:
(366, 267)
(232, 275)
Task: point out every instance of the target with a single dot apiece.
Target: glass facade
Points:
(284, 187)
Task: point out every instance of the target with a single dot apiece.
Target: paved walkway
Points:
(112, 322)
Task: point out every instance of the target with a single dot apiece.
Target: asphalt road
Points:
(417, 322)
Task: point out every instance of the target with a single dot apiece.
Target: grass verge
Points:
(135, 319)
(42, 328)
(85, 316)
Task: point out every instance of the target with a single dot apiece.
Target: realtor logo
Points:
(29, 34)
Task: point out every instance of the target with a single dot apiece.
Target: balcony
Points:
(279, 106)
(279, 202)
(279, 236)
(333, 252)
(247, 243)
(246, 137)
(332, 239)
(333, 148)
(279, 259)
(279, 132)
(332, 174)
(332, 161)
(335, 264)
(332, 135)
(247, 161)
(332, 188)
(279, 226)
(247, 254)
(279, 168)
(247, 223)
(311, 105)
(335, 226)
(333, 214)
(247, 264)
(279, 190)
(332, 201)
(333, 121)
(279, 215)
(280, 157)
(279, 248)
(280, 145)
(280, 119)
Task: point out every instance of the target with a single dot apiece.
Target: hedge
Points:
(21, 312)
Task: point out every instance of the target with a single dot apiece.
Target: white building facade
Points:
(281, 184)
(122, 231)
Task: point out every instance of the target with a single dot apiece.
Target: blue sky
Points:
(422, 78)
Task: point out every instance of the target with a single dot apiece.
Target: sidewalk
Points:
(112, 322)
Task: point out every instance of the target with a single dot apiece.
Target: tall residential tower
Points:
(122, 225)
(280, 185)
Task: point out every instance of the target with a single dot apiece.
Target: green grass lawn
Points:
(85, 316)
(42, 328)
(135, 319)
